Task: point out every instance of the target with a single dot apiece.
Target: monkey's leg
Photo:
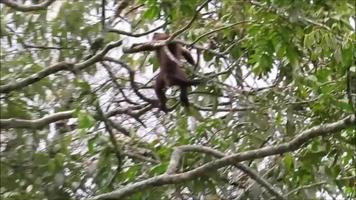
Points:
(184, 96)
(160, 92)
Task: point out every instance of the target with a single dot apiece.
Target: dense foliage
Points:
(78, 117)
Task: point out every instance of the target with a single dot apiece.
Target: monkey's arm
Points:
(143, 46)
(186, 54)
(170, 56)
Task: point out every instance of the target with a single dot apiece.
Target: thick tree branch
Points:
(140, 157)
(296, 143)
(151, 46)
(62, 66)
(30, 46)
(36, 123)
(179, 152)
(260, 180)
(99, 56)
(24, 8)
(135, 34)
(44, 121)
(146, 46)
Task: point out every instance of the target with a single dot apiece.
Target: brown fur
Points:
(170, 72)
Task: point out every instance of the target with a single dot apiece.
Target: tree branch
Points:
(107, 123)
(116, 84)
(180, 31)
(219, 29)
(151, 46)
(146, 46)
(44, 121)
(132, 81)
(97, 57)
(305, 187)
(24, 8)
(135, 34)
(36, 123)
(179, 152)
(62, 66)
(143, 158)
(30, 46)
(296, 143)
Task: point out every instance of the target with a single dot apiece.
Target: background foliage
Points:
(275, 68)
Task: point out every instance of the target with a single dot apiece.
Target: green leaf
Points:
(132, 172)
(280, 49)
(159, 169)
(292, 54)
(16, 109)
(85, 87)
(235, 52)
(91, 144)
(152, 12)
(348, 56)
(85, 120)
(288, 161)
(52, 165)
(308, 40)
(59, 159)
(344, 105)
(337, 55)
(208, 56)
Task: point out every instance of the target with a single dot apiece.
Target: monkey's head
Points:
(160, 36)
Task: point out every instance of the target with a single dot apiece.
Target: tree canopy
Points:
(273, 119)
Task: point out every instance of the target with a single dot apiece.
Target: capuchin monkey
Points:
(170, 71)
